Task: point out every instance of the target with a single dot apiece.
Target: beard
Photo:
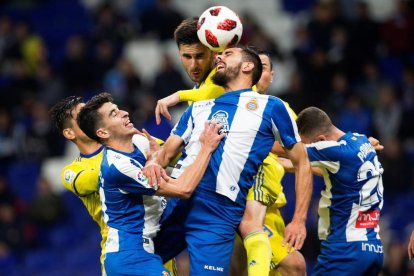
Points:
(222, 78)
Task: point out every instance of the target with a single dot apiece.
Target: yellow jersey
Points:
(81, 178)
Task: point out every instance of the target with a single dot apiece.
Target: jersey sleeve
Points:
(127, 174)
(79, 179)
(283, 124)
(205, 92)
(184, 126)
(325, 154)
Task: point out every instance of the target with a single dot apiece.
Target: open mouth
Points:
(220, 66)
(128, 123)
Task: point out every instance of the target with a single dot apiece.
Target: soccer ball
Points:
(218, 28)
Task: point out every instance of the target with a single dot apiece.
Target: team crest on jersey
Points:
(252, 105)
(69, 175)
(223, 118)
(165, 273)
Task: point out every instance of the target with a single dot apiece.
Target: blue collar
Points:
(92, 154)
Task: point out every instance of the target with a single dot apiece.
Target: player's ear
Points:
(247, 66)
(68, 133)
(321, 137)
(102, 133)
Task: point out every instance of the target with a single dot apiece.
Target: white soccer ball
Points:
(219, 27)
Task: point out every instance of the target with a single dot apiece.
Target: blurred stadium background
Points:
(353, 58)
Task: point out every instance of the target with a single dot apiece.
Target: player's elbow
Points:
(186, 193)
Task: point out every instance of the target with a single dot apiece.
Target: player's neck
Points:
(336, 134)
(123, 144)
(88, 147)
(238, 84)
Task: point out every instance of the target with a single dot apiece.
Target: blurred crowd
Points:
(357, 68)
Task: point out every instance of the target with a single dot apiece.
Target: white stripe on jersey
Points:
(153, 209)
(324, 221)
(352, 233)
(228, 167)
(112, 241)
(125, 165)
(191, 139)
(331, 166)
(326, 144)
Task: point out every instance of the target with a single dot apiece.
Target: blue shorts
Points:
(134, 262)
(209, 223)
(350, 258)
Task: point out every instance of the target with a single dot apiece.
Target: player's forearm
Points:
(172, 99)
(303, 188)
(303, 181)
(185, 185)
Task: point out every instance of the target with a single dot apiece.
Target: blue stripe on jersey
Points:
(252, 122)
(352, 199)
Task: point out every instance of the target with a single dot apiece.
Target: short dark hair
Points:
(89, 117)
(261, 52)
(186, 32)
(312, 121)
(61, 112)
(249, 54)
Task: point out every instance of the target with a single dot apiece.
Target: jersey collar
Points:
(93, 153)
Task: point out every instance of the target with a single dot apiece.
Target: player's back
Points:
(353, 196)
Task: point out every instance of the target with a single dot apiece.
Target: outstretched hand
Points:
(163, 105)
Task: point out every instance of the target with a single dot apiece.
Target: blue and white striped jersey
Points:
(352, 199)
(129, 206)
(252, 122)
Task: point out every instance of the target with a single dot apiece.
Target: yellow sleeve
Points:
(81, 180)
(205, 92)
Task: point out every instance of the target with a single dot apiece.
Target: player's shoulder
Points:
(327, 145)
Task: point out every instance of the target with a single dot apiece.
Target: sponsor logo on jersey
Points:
(377, 248)
(213, 268)
(223, 118)
(367, 219)
(252, 105)
(203, 104)
(252, 262)
(69, 175)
